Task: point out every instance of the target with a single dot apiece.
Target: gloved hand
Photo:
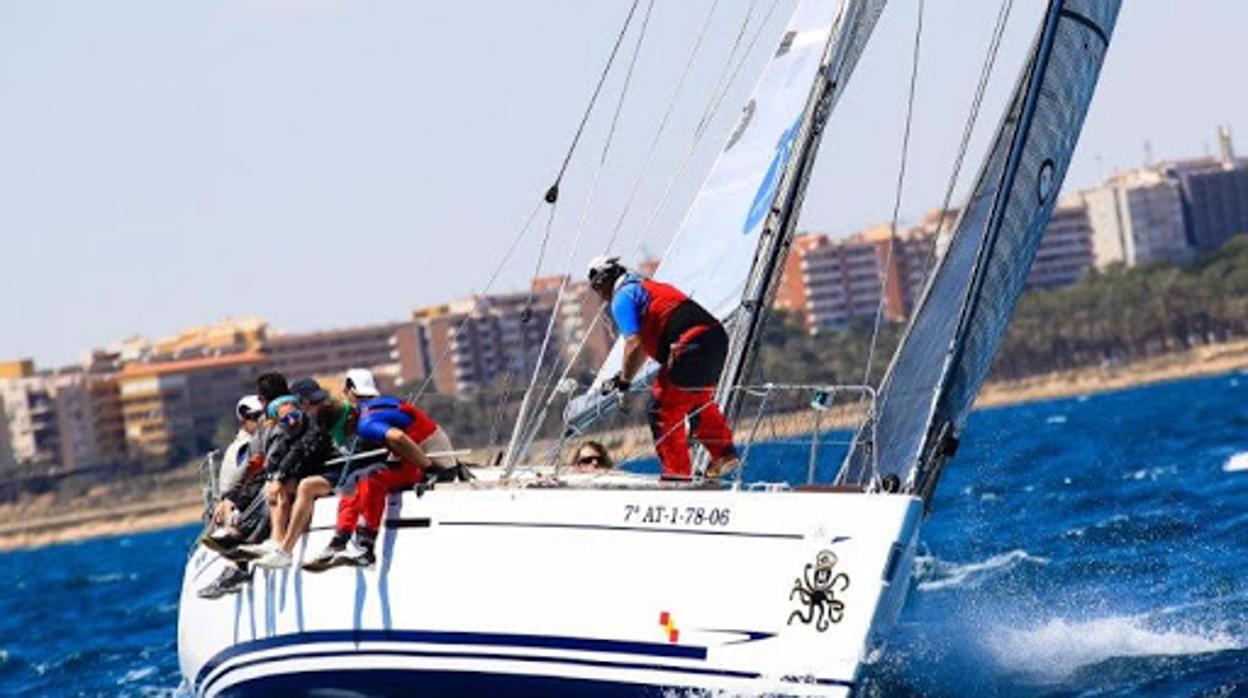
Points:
(615, 384)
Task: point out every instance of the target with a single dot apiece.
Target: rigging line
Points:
(580, 129)
(697, 138)
(749, 49)
(498, 270)
(628, 80)
(551, 388)
(552, 195)
(901, 181)
(1003, 15)
(724, 72)
(522, 421)
(654, 144)
(990, 59)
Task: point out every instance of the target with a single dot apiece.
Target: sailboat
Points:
(620, 586)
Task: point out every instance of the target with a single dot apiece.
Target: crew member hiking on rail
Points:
(661, 322)
(408, 433)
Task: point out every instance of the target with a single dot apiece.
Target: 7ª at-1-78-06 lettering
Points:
(676, 515)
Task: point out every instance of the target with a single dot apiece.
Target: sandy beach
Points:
(42, 520)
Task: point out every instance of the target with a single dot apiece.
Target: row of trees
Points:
(1111, 317)
(1114, 316)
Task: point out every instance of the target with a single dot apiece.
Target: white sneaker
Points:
(356, 556)
(275, 560)
(257, 550)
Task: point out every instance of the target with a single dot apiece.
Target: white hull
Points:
(498, 591)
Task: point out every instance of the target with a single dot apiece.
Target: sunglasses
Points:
(291, 418)
(590, 460)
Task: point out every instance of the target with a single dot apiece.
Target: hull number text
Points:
(676, 515)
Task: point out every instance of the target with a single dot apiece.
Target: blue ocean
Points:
(1095, 546)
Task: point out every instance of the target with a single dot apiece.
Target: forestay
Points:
(961, 318)
(711, 255)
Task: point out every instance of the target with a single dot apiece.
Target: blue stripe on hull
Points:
(383, 683)
(615, 647)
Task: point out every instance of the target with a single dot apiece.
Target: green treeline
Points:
(1128, 314)
(1111, 317)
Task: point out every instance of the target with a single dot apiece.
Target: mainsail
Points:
(961, 318)
(712, 254)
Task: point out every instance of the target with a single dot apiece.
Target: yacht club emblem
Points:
(815, 592)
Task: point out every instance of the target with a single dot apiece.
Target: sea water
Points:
(1087, 546)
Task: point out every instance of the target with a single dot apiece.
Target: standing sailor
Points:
(661, 322)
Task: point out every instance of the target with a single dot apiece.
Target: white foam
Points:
(936, 574)
(136, 675)
(1056, 649)
(1236, 463)
(1056, 419)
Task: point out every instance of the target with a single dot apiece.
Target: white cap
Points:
(248, 404)
(600, 264)
(361, 382)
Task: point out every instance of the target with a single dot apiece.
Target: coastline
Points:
(28, 524)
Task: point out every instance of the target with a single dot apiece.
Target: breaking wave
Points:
(1056, 649)
(1236, 463)
(934, 574)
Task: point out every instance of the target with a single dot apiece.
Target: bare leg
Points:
(279, 495)
(310, 489)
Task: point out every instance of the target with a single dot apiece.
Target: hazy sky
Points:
(334, 163)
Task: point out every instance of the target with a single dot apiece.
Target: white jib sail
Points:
(710, 256)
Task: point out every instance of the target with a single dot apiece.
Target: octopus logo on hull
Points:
(771, 181)
(815, 592)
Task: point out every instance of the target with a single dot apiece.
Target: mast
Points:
(777, 234)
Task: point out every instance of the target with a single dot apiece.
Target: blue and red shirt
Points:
(379, 415)
(657, 312)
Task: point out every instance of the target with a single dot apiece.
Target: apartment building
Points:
(1065, 253)
(388, 350)
(829, 282)
(470, 344)
(32, 437)
(172, 410)
(1215, 195)
(1137, 217)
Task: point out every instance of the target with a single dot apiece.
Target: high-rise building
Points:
(584, 329)
(829, 282)
(1215, 195)
(172, 410)
(470, 344)
(229, 336)
(59, 422)
(380, 348)
(1137, 217)
(32, 432)
(1065, 252)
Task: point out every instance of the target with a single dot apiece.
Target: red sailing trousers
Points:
(684, 389)
(368, 500)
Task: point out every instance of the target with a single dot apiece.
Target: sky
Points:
(333, 163)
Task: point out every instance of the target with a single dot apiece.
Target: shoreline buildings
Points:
(152, 403)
